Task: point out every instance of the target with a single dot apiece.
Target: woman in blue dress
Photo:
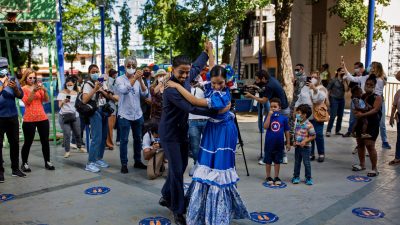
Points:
(213, 196)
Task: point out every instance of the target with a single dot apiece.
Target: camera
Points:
(108, 109)
(242, 88)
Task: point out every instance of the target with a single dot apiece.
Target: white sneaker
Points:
(66, 155)
(261, 162)
(117, 143)
(74, 146)
(82, 149)
(285, 160)
(102, 163)
(91, 167)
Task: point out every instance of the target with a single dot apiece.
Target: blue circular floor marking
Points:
(272, 186)
(263, 217)
(357, 178)
(155, 221)
(6, 197)
(97, 190)
(368, 213)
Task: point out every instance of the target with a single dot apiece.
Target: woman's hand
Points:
(311, 86)
(358, 114)
(171, 84)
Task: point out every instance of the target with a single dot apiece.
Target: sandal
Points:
(357, 168)
(373, 173)
(394, 162)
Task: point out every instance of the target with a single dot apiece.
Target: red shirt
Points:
(34, 111)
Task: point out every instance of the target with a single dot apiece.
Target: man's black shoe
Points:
(179, 219)
(139, 165)
(163, 202)
(124, 169)
(1, 177)
(17, 173)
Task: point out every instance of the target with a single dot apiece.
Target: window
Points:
(394, 50)
(318, 50)
(83, 61)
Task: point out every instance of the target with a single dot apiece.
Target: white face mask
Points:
(130, 71)
(314, 81)
(160, 79)
(71, 88)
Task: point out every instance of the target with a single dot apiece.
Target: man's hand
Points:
(288, 147)
(12, 84)
(138, 75)
(248, 95)
(358, 114)
(226, 109)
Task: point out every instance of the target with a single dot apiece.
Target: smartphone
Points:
(100, 79)
(12, 79)
(308, 80)
(69, 97)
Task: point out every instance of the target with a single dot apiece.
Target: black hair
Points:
(73, 80)
(304, 109)
(359, 64)
(372, 77)
(262, 74)
(301, 65)
(91, 67)
(325, 66)
(181, 60)
(153, 127)
(355, 89)
(112, 72)
(217, 71)
(276, 100)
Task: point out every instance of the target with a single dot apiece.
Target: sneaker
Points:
(124, 169)
(355, 151)
(277, 181)
(82, 149)
(117, 143)
(49, 166)
(101, 163)
(25, 168)
(386, 145)
(139, 165)
(261, 162)
(285, 160)
(17, 173)
(269, 180)
(339, 134)
(312, 158)
(309, 181)
(328, 134)
(67, 154)
(91, 167)
(1, 177)
(295, 180)
(191, 172)
(321, 158)
(74, 146)
(346, 135)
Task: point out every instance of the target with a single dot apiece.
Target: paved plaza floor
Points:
(58, 198)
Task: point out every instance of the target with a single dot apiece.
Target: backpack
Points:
(86, 110)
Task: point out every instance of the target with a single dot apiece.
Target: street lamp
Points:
(117, 24)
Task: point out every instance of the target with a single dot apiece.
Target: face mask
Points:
(94, 76)
(297, 73)
(314, 81)
(71, 88)
(146, 74)
(298, 117)
(357, 70)
(160, 79)
(130, 71)
(3, 73)
(369, 90)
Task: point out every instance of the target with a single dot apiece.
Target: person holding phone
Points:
(9, 125)
(68, 116)
(34, 118)
(312, 94)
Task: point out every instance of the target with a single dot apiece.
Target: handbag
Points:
(68, 117)
(320, 111)
(155, 166)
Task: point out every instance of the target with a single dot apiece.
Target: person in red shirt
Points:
(35, 117)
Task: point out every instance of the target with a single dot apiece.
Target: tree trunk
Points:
(226, 53)
(283, 11)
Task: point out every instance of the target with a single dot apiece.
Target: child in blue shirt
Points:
(277, 127)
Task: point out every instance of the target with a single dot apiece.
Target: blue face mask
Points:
(94, 76)
(298, 117)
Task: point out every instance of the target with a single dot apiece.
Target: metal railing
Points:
(389, 92)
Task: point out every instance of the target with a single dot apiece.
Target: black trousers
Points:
(177, 155)
(29, 129)
(10, 127)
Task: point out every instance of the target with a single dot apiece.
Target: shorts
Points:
(273, 157)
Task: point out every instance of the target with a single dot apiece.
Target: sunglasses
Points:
(296, 70)
(31, 78)
(181, 72)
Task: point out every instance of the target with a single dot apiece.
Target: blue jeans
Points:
(82, 128)
(382, 124)
(98, 131)
(352, 120)
(263, 109)
(336, 110)
(319, 139)
(397, 156)
(196, 128)
(302, 154)
(136, 127)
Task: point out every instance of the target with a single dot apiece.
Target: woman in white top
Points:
(377, 69)
(68, 116)
(314, 93)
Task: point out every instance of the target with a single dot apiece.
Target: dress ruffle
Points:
(221, 178)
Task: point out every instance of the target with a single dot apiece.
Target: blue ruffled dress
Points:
(213, 195)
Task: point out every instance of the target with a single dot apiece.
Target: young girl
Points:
(213, 196)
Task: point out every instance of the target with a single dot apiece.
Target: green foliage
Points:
(166, 23)
(126, 28)
(355, 15)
